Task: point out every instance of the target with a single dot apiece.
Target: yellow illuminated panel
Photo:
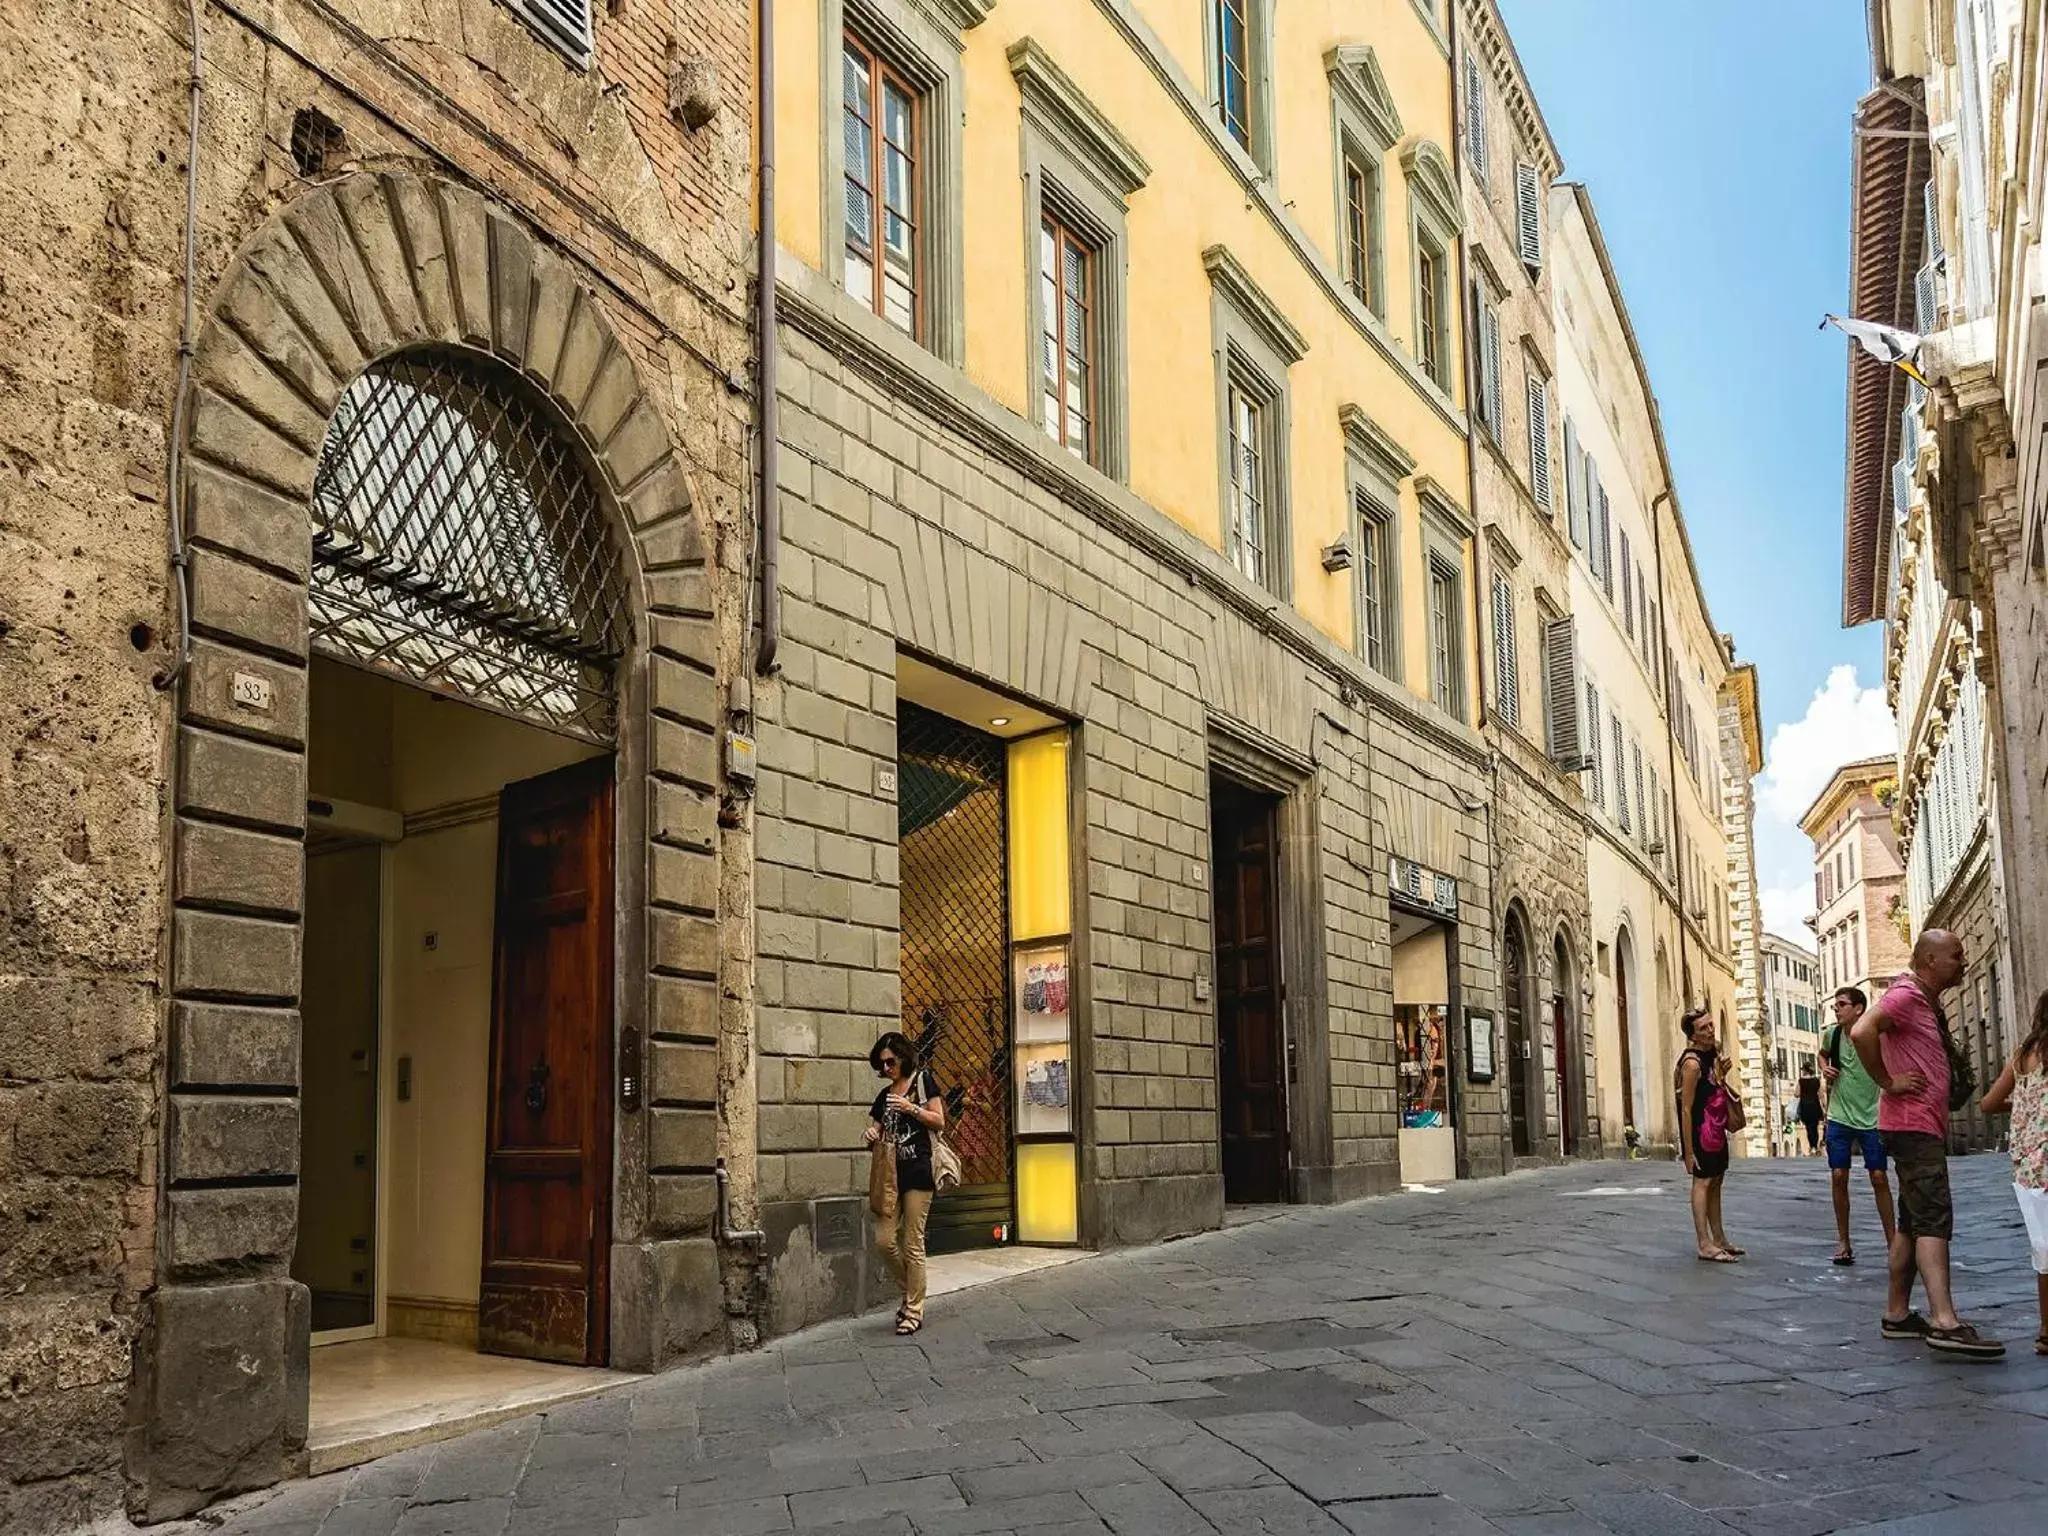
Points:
(1041, 895)
(1046, 1206)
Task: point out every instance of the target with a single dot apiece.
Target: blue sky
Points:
(1714, 138)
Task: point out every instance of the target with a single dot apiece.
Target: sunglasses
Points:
(886, 1064)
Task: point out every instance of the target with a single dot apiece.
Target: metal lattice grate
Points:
(956, 982)
(458, 542)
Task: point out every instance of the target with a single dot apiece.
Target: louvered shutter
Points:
(1475, 117)
(1574, 486)
(1489, 367)
(1620, 775)
(1628, 589)
(1642, 807)
(1656, 809)
(1539, 441)
(1561, 694)
(1507, 677)
(1597, 756)
(1931, 202)
(564, 23)
(1529, 215)
(1606, 546)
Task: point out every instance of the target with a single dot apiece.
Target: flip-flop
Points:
(1845, 1258)
(1718, 1258)
(2041, 1344)
(1740, 1253)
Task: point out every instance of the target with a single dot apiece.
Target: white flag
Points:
(1886, 343)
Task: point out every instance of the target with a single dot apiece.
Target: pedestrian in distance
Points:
(2022, 1089)
(1809, 1108)
(906, 1117)
(1903, 1043)
(1852, 1123)
(1708, 1112)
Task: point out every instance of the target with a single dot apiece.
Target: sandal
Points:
(1911, 1326)
(1845, 1256)
(1965, 1341)
(1730, 1248)
(1725, 1256)
(907, 1326)
(2041, 1343)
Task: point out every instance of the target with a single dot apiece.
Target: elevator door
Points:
(548, 1146)
(1251, 1058)
(954, 864)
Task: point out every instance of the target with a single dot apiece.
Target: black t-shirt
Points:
(911, 1136)
(1809, 1097)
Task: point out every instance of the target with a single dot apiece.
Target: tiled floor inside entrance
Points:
(371, 1397)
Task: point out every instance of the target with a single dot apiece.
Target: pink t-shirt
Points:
(1913, 1044)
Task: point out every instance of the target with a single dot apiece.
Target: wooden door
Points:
(1628, 1069)
(1560, 1034)
(1251, 1060)
(548, 1143)
(1521, 1073)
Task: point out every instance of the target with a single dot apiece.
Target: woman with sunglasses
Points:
(906, 1113)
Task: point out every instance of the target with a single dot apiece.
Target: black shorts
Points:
(1710, 1165)
(1920, 1164)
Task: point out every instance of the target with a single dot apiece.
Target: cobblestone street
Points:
(1540, 1354)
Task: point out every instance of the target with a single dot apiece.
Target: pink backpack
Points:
(1714, 1123)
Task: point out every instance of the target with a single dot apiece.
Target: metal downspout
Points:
(1663, 670)
(765, 329)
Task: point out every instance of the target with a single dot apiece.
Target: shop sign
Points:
(1424, 887)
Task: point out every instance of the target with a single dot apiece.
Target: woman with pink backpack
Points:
(1709, 1112)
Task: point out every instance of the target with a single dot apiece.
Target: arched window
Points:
(459, 543)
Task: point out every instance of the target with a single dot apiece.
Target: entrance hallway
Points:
(1536, 1352)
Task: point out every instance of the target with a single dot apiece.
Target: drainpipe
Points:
(728, 1234)
(765, 329)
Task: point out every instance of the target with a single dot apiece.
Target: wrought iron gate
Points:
(952, 826)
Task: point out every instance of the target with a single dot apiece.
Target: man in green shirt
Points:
(1852, 1120)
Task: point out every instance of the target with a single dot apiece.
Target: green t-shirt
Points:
(1852, 1102)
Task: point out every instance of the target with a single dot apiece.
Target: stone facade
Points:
(1739, 728)
(368, 177)
(1525, 575)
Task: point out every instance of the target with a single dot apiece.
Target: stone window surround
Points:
(1254, 345)
(922, 39)
(1374, 467)
(1435, 223)
(1365, 125)
(1258, 82)
(1081, 168)
(1260, 193)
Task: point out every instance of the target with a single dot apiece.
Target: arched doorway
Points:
(1625, 1031)
(1521, 1065)
(1565, 1045)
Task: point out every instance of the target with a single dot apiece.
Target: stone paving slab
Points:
(1538, 1355)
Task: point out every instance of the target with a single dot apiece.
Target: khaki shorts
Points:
(1920, 1164)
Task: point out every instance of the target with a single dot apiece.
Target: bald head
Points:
(1938, 958)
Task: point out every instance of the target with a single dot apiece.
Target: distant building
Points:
(1796, 1015)
(1861, 920)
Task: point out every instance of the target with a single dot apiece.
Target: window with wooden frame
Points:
(1379, 609)
(1432, 348)
(1446, 637)
(1248, 536)
(1360, 198)
(1236, 45)
(1066, 342)
(883, 226)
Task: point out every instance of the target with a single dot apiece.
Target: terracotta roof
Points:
(1890, 160)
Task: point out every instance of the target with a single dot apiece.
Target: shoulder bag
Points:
(945, 1161)
(1962, 1077)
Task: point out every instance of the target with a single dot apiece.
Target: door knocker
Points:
(537, 1088)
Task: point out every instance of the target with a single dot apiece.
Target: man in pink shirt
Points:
(1902, 1043)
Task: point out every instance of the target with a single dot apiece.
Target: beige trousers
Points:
(903, 1251)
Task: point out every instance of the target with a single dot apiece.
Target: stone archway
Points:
(354, 271)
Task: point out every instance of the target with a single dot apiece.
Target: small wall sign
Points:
(252, 692)
(1478, 1046)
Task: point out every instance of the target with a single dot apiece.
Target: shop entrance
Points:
(1422, 1010)
(1250, 994)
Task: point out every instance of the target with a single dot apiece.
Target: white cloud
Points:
(1844, 721)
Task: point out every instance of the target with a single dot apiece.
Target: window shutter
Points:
(1931, 199)
(1539, 441)
(1528, 215)
(1489, 366)
(1507, 677)
(1596, 756)
(1574, 486)
(1656, 810)
(1475, 116)
(563, 23)
(1642, 807)
(1606, 546)
(1628, 589)
(1561, 692)
(1620, 775)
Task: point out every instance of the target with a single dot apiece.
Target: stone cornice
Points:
(1354, 71)
(1438, 504)
(965, 15)
(1429, 173)
(1052, 94)
(1374, 444)
(1227, 273)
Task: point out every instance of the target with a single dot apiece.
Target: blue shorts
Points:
(1842, 1140)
